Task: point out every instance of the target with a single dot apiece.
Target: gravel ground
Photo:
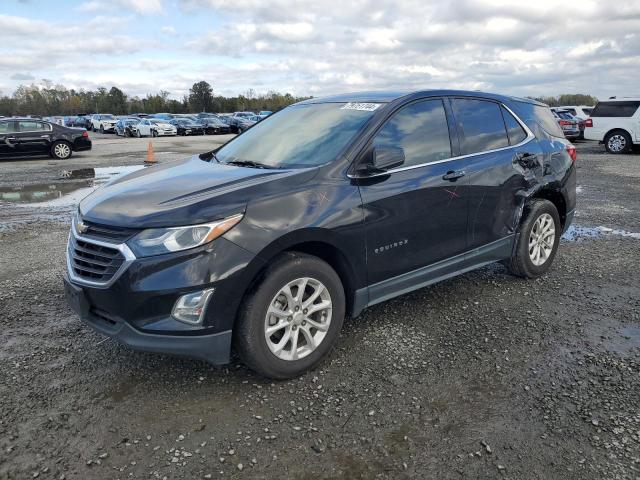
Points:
(482, 376)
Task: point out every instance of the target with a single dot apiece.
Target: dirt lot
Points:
(482, 376)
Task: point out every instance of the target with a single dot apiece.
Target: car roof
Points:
(389, 96)
(31, 119)
(621, 99)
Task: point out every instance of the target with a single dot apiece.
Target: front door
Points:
(415, 214)
(8, 139)
(34, 137)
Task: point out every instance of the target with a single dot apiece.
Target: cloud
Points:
(311, 47)
(22, 76)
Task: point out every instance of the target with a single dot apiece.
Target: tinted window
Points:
(547, 121)
(515, 131)
(587, 110)
(481, 125)
(30, 126)
(615, 109)
(421, 130)
(7, 127)
(572, 111)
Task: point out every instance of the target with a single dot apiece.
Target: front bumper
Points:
(134, 306)
(213, 347)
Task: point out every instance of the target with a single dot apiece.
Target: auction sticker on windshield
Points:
(365, 107)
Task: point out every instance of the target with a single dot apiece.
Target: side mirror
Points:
(384, 157)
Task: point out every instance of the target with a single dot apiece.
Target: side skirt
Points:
(442, 270)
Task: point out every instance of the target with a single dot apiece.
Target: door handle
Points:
(453, 175)
(8, 141)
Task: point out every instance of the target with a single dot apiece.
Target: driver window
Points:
(421, 130)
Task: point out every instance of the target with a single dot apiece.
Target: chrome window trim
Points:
(530, 136)
(122, 247)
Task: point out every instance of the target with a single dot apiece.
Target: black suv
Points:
(29, 137)
(320, 210)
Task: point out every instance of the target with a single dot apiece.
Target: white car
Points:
(616, 123)
(153, 127)
(103, 122)
(581, 111)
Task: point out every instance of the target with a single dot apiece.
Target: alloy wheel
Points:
(298, 319)
(542, 239)
(62, 150)
(617, 143)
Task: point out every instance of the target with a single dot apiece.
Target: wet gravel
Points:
(482, 376)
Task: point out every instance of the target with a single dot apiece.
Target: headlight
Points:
(155, 241)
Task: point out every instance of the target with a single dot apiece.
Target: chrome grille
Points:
(93, 262)
(108, 233)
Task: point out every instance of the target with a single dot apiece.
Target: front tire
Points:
(102, 129)
(618, 142)
(292, 318)
(154, 133)
(61, 150)
(540, 232)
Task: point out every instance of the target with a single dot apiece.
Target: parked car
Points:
(27, 137)
(580, 111)
(154, 127)
(103, 122)
(140, 115)
(82, 121)
(213, 124)
(186, 126)
(239, 121)
(616, 123)
(328, 207)
(244, 123)
(264, 113)
(568, 123)
(126, 127)
(163, 116)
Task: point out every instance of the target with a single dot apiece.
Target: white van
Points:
(616, 123)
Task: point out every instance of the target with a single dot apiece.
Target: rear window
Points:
(615, 109)
(547, 121)
(481, 125)
(587, 110)
(515, 131)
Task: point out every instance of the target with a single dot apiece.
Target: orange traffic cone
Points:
(150, 156)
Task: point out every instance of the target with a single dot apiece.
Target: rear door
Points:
(501, 154)
(8, 138)
(416, 214)
(34, 137)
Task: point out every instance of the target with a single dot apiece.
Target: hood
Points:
(187, 192)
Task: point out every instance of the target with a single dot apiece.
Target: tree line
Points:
(48, 99)
(568, 99)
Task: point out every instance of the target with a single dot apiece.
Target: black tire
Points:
(154, 133)
(138, 134)
(102, 129)
(617, 142)
(61, 150)
(521, 263)
(249, 333)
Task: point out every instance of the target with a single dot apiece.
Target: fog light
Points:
(190, 308)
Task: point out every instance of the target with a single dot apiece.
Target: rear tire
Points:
(298, 314)
(618, 141)
(102, 129)
(61, 150)
(537, 244)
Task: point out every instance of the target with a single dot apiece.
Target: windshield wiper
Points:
(248, 163)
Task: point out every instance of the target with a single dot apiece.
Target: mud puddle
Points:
(71, 187)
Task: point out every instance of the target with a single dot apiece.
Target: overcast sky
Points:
(318, 47)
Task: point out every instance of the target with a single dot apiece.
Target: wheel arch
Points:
(617, 130)
(556, 197)
(317, 242)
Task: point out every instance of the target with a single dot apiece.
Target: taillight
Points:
(588, 122)
(564, 123)
(571, 150)
(85, 134)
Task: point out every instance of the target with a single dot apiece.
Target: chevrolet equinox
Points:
(315, 213)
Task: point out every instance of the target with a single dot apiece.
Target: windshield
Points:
(107, 117)
(159, 122)
(298, 136)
